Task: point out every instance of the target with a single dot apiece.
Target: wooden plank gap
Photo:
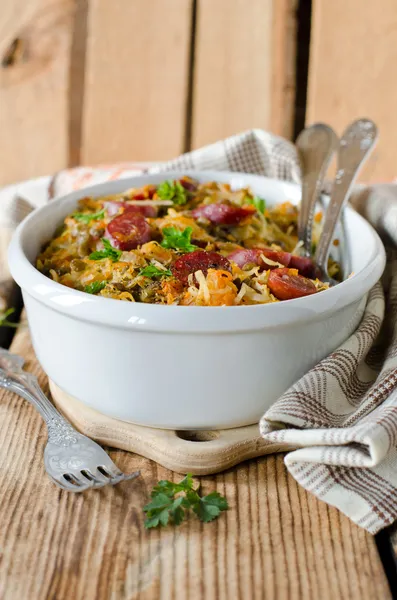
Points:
(303, 14)
(386, 543)
(286, 78)
(190, 83)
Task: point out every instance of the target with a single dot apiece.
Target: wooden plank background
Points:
(34, 87)
(244, 71)
(136, 82)
(353, 57)
(89, 81)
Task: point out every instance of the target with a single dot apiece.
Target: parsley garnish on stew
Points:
(166, 507)
(152, 271)
(178, 240)
(108, 252)
(95, 287)
(259, 203)
(172, 190)
(88, 217)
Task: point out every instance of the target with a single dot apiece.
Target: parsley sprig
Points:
(4, 322)
(108, 252)
(166, 507)
(178, 240)
(172, 190)
(88, 217)
(259, 203)
(152, 271)
(95, 287)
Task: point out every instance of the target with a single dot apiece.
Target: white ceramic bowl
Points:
(185, 367)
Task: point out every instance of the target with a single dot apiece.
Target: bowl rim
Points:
(186, 319)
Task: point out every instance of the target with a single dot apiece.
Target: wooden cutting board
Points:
(196, 452)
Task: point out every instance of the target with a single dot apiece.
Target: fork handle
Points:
(25, 384)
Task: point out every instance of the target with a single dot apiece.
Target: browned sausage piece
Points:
(286, 284)
(223, 214)
(199, 260)
(128, 231)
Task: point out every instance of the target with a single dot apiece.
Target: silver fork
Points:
(72, 461)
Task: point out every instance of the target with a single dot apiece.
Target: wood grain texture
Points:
(33, 86)
(244, 68)
(283, 68)
(353, 53)
(276, 541)
(196, 452)
(77, 82)
(136, 80)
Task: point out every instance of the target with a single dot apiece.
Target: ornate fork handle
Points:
(25, 384)
(72, 460)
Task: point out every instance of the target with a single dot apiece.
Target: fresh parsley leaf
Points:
(186, 483)
(88, 217)
(162, 509)
(158, 511)
(178, 240)
(210, 507)
(170, 488)
(108, 252)
(4, 322)
(259, 203)
(164, 487)
(152, 271)
(172, 190)
(95, 287)
(165, 507)
(178, 514)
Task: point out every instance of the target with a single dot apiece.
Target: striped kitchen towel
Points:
(339, 422)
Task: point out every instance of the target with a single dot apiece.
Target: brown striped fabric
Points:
(340, 419)
(339, 422)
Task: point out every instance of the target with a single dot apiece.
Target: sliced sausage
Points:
(254, 256)
(223, 214)
(128, 231)
(244, 257)
(279, 256)
(286, 284)
(304, 265)
(199, 260)
(189, 184)
(114, 207)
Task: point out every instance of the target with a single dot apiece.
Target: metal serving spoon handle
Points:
(355, 146)
(315, 145)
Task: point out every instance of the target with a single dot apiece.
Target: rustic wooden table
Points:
(72, 74)
(276, 541)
